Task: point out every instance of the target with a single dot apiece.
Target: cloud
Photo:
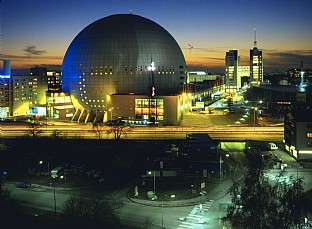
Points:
(22, 57)
(287, 59)
(31, 50)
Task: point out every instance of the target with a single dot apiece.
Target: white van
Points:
(272, 146)
(57, 172)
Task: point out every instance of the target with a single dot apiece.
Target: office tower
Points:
(232, 62)
(256, 63)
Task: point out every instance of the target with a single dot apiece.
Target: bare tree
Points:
(118, 128)
(98, 128)
(55, 134)
(35, 129)
(90, 213)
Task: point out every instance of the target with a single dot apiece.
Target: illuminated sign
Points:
(5, 76)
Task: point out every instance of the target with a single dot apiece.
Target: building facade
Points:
(256, 63)
(29, 95)
(120, 54)
(298, 134)
(232, 79)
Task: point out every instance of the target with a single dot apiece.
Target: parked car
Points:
(272, 146)
(23, 185)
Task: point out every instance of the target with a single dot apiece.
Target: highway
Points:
(231, 133)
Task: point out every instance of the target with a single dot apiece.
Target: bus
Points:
(57, 172)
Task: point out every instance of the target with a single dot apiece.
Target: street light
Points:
(111, 112)
(54, 180)
(154, 175)
(64, 177)
(254, 108)
(220, 167)
(41, 162)
(162, 210)
(54, 196)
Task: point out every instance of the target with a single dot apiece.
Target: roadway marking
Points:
(190, 217)
(196, 215)
(186, 226)
(188, 223)
(281, 179)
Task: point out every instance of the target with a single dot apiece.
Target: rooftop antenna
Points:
(255, 40)
(130, 11)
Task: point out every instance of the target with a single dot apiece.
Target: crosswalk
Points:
(281, 179)
(196, 216)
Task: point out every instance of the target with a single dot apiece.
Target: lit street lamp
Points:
(254, 108)
(64, 177)
(111, 113)
(154, 175)
(41, 162)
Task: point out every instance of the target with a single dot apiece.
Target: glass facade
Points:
(146, 108)
(256, 65)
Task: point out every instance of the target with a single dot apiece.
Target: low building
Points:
(298, 134)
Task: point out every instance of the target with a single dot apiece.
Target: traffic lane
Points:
(38, 199)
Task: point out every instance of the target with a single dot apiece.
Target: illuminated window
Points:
(309, 135)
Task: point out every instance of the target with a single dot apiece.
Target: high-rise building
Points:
(256, 63)
(232, 62)
(29, 92)
(54, 81)
(5, 90)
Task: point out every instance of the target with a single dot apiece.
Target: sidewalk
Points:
(217, 191)
(173, 203)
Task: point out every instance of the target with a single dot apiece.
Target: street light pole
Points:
(111, 113)
(154, 184)
(254, 108)
(54, 197)
(162, 213)
(220, 168)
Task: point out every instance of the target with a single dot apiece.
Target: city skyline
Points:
(37, 32)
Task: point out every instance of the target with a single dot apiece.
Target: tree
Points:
(90, 213)
(98, 128)
(258, 204)
(117, 128)
(35, 129)
(55, 134)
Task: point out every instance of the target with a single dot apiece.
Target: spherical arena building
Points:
(114, 55)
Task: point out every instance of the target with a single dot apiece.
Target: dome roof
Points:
(112, 55)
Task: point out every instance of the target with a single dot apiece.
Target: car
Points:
(23, 185)
(272, 146)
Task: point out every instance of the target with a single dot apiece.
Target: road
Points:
(186, 217)
(234, 133)
(130, 213)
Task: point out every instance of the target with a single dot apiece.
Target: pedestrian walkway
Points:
(198, 215)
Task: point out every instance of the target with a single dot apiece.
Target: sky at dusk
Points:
(38, 32)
